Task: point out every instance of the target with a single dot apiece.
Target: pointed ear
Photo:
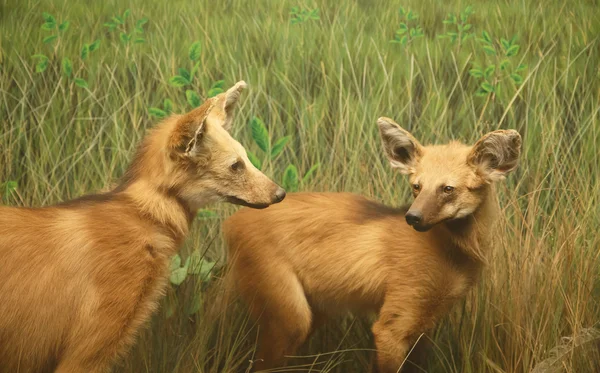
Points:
(189, 129)
(229, 100)
(401, 148)
(496, 154)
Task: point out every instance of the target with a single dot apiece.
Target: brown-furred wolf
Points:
(317, 254)
(79, 279)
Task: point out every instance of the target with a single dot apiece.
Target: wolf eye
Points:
(416, 187)
(237, 166)
(448, 189)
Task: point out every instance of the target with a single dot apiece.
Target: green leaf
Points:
(206, 214)
(486, 86)
(403, 26)
(279, 145)
(178, 276)
(518, 79)
(200, 266)
(214, 91)
(41, 66)
(477, 73)
(504, 64)
(141, 22)
(85, 50)
(489, 71)
(48, 26)
(310, 172)
(194, 51)
(218, 84)
(196, 304)
(10, 187)
(290, 178)
(111, 26)
(156, 112)
(49, 39)
(81, 83)
(124, 37)
(94, 46)
(64, 26)
(118, 20)
(185, 73)
(178, 81)
(139, 41)
(489, 50)
(486, 37)
(505, 43)
(48, 17)
(467, 27)
(168, 105)
(192, 98)
(402, 11)
(40, 56)
(126, 13)
(401, 31)
(512, 51)
(254, 160)
(175, 263)
(481, 92)
(521, 67)
(67, 67)
(404, 40)
(260, 134)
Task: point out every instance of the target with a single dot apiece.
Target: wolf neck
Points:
(472, 235)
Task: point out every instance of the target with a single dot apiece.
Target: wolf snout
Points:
(279, 195)
(414, 218)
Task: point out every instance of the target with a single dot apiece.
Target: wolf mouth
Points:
(241, 202)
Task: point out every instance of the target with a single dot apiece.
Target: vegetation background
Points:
(81, 81)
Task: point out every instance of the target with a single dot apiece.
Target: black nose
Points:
(414, 218)
(279, 195)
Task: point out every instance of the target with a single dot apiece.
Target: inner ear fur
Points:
(402, 149)
(189, 128)
(496, 153)
(229, 100)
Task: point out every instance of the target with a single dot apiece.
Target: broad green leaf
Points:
(192, 98)
(290, 178)
(486, 86)
(178, 81)
(218, 84)
(489, 71)
(178, 276)
(85, 50)
(403, 26)
(156, 112)
(40, 56)
(95, 45)
(124, 37)
(488, 49)
(168, 105)
(185, 73)
(41, 66)
(200, 266)
(260, 134)
(206, 214)
(196, 304)
(310, 172)
(467, 27)
(486, 37)
(111, 26)
(512, 51)
(504, 64)
(67, 67)
(139, 41)
(477, 73)
(141, 22)
(49, 39)
(505, 43)
(254, 160)
(279, 145)
(401, 31)
(518, 79)
(10, 187)
(126, 13)
(64, 26)
(118, 20)
(81, 83)
(481, 92)
(194, 52)
(48, 26)
(521, 67)
(402, 11)
(404, 40)
(175, 262)
(214, 91)
(48, 17)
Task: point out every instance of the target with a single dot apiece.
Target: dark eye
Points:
(237, 166)
(416, 187)
(448, 189)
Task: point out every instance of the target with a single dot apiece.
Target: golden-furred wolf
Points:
(79, 279)
(318, 253)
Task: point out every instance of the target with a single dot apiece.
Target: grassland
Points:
(324, 82)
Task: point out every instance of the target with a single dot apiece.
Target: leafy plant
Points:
(127, 35)
(89, 48)
(56, 27)
(500, 68)
(8, 188)
(42, 63)
(195, 265)
(409, 30)
(185, 77)
(216, 88)
(291, 179)
(260, 135)
(167, 108)
(303, 15)
(462, 28)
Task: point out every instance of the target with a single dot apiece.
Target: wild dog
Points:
(79, 279)
(316, 254)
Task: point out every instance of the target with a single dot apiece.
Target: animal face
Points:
(211, 165)
(448, 181)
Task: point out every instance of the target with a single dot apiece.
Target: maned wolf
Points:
(318, 253)
(79, 279)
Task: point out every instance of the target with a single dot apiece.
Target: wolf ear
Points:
(496, 154)
(189, 130)
(228, 101)
(401, 148)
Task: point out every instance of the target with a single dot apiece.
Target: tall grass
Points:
(324, 82)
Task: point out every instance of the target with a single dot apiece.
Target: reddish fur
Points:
(317, 254)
